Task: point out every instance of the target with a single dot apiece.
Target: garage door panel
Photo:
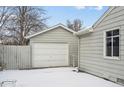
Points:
(43, 51)
(49, 54)
(51, 63)
(38, 47)
(38, 64)
(46, 57)
(49, 46)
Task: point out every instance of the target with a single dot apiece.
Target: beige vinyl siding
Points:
(60, 35)
(91, 48)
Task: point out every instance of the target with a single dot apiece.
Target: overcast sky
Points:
(59, 14)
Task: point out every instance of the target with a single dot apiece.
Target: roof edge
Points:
(103, 16)
(85, 31)
(50, 28)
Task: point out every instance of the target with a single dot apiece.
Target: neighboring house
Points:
(56, 46)
(101, 49)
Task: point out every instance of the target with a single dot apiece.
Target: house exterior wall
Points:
(60, 35)
(92, 48)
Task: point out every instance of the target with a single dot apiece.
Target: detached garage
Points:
(56, 46)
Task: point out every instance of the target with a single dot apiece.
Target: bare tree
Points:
(25, 21)
(5, 14)
(76, 25)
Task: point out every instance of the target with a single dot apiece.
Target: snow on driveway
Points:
(54, 77)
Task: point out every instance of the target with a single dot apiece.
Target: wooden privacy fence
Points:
(15, 57)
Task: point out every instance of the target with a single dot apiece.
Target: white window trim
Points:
(104, 45)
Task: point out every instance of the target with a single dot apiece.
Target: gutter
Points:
(85, 31)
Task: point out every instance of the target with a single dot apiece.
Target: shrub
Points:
(2, 66)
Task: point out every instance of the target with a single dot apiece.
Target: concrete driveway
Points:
(52, 77)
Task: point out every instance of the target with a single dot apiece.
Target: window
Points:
(112, 43)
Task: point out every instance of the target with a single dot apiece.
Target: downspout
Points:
(78, 53)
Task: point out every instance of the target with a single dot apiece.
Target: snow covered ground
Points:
(53, 77)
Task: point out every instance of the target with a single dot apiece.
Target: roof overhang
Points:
(51, 28)
(90, 30)
(85, 31)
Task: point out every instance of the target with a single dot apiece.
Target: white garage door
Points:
(49, 54)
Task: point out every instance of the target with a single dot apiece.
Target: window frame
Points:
(105, 47)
